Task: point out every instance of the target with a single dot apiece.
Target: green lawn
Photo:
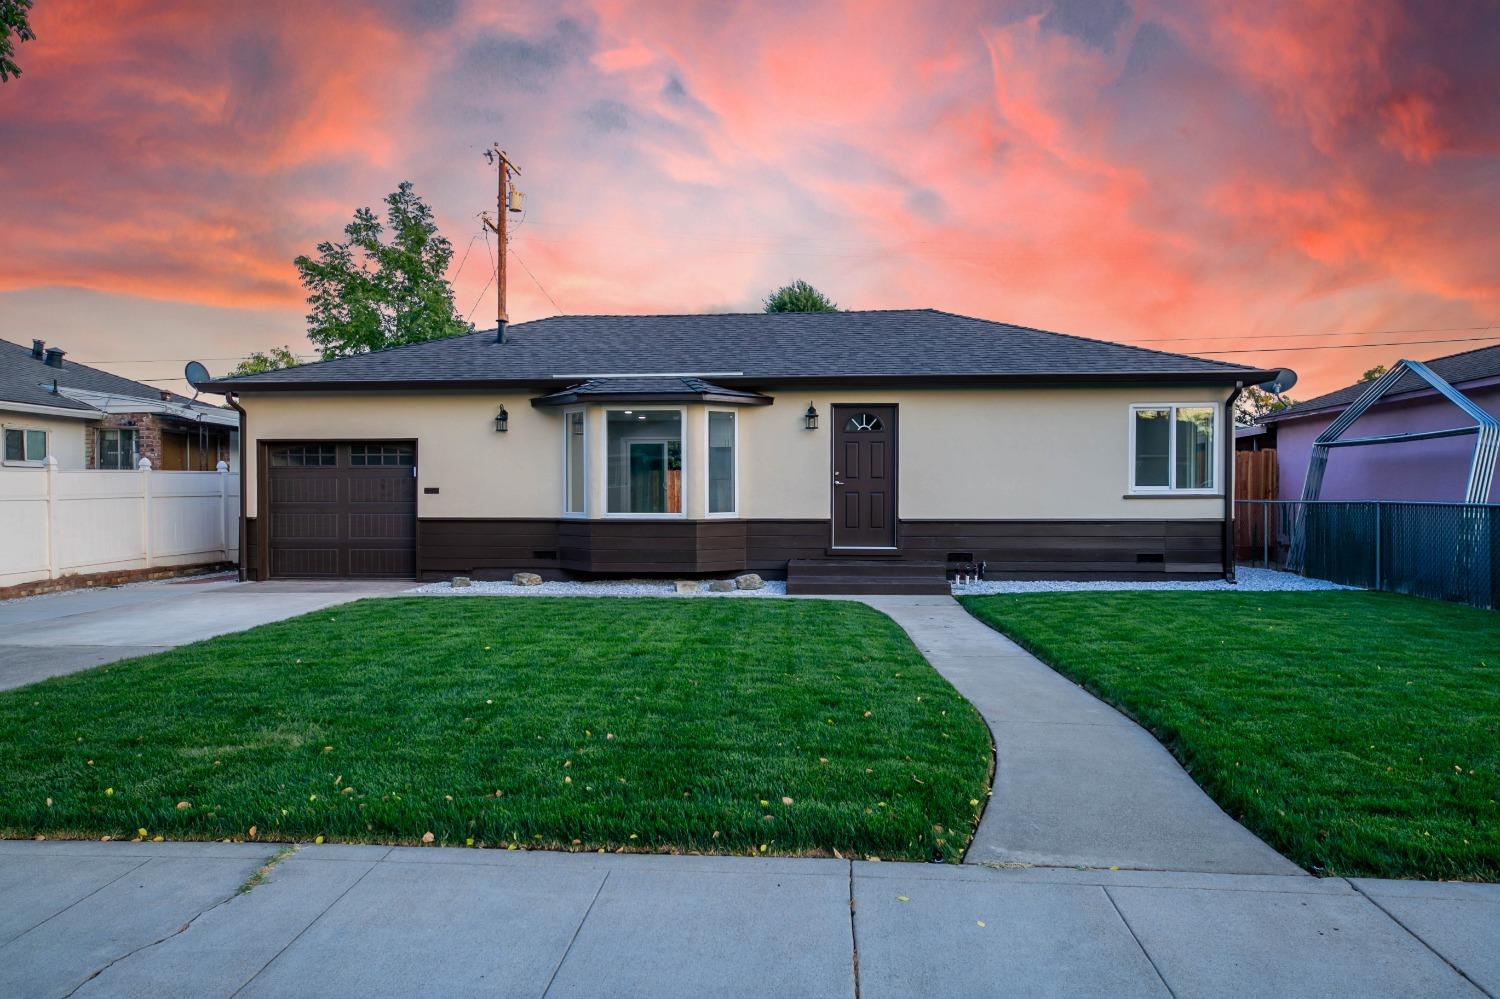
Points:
(579, 724)
(1357, 733)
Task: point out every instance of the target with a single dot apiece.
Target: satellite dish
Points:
(1285, 379)
(196, 374)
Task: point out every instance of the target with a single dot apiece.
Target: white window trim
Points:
(682, 431)
(26, 462)
(567, 469)
(708, 488)
(1170, 489)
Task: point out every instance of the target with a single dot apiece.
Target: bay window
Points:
(721, 458)
(575, 464)
(644, 462)
(1172, 447)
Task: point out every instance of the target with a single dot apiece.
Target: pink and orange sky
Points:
(1190, 176)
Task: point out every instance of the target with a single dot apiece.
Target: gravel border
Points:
(140, 584)
(596, 588)
(1250, 581)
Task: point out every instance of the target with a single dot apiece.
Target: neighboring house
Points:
(1431, 469)
(87, 418)
(710, 444)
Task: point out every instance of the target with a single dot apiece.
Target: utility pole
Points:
(506, 200)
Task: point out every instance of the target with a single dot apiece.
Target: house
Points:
(881, 444)
(1433, 468)
(87, 418)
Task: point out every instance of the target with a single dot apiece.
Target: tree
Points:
(367, 293)
(1374, 373)
(1254, 403)
(799, 296)
(14, 21)
(265, 360)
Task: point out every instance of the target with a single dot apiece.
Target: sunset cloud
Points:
(1160, 171)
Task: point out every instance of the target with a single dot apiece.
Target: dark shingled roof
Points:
(745, 348)
(24, 378)
(654, 388)
(1455, 369)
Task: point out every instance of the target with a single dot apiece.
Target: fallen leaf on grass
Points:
(184, 804)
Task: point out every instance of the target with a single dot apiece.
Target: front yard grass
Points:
(1357, 733)
(734, 726)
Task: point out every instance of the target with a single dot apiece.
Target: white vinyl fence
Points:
(58, 523)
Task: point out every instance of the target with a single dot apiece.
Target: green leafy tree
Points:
(265, 360)
(1374, 373)
(1254, 403)
(368, 292)
(799, 296)
(15, 27)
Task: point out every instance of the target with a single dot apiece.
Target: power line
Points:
(559, 308)
(466, 255)
(1282, 336)
(1348, 346)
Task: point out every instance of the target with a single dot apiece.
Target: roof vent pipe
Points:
(500, 332)
(37, 348)
(54, 357)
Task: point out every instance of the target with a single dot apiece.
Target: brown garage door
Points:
(346, 509)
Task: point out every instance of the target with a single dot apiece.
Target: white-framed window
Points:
(643, 458)
(25, 444)
(117, 448)
(1174, 447)
(723, 453)
(575, 463)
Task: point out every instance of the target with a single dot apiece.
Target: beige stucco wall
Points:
(65, 436)
(969, 454)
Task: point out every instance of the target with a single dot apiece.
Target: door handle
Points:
(838, 482)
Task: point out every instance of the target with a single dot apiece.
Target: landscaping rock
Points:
(749, 581)
(526, 579)
(721, 585)
(459, 582)
(687, 586)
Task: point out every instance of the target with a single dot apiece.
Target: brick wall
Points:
(148, 435)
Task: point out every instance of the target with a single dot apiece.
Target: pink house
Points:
(1430, 469)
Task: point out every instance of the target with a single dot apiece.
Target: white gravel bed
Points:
(595, 588)
(1250, 581)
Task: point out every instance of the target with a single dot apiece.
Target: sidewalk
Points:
(167, 919)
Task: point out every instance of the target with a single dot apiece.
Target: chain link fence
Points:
(1446, 551)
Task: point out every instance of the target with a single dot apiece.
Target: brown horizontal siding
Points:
(1018, 549)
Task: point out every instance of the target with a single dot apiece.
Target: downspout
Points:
(244, 481)
(1229, 484)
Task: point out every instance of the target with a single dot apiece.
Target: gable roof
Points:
(750, 348)
(28, 380)
(1455, 369)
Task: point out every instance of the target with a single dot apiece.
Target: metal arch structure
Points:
(1486, 430)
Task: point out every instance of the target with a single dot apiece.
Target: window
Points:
(365, 455)
(645, 461)
(1172, 448)
(118, 448)
(575, 464)
(305, 456)
(721, 435)
(867, 423)
(25, 445)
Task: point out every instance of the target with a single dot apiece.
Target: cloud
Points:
(1153, 170)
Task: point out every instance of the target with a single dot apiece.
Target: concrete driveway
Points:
(66, 632)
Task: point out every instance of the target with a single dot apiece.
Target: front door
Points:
(864, 476)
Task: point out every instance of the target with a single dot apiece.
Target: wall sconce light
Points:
(502, 420)
(810, 418)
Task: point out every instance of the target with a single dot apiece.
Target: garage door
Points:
(343, 510)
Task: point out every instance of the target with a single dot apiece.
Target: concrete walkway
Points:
(1077, 784)
(66, 632)
(169, 919)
